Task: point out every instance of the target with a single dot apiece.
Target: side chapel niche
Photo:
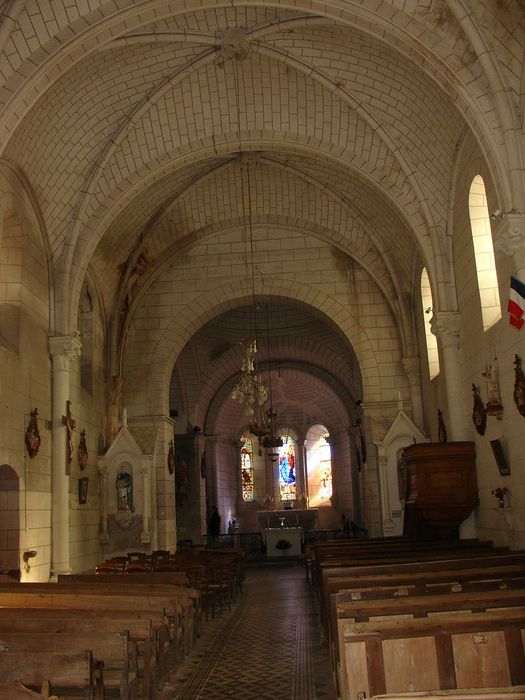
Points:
(125, 495)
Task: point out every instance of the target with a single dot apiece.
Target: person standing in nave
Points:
(214, 525)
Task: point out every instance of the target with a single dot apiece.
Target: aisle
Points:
(266, 648)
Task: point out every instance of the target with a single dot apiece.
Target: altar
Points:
(283, 541)
(304, 518)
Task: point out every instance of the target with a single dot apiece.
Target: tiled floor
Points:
(266, 648)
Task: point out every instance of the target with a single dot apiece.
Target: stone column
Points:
(145, 536)
(510, 239)
(104, 531)
(445, 325)
(411, 367)
(304, 462)
(63, 349)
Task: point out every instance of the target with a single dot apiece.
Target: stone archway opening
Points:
(9, 518)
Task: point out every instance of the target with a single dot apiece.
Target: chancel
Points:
(267, 258)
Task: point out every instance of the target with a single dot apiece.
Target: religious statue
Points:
(124, 486)
(70, 424)
(32, 436)
(442, 431)
(181, 475)
(519, 385)
(479, 414)
(82, 451)
(493, 406)
(171, 458)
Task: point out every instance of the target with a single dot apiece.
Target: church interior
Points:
(258, 261)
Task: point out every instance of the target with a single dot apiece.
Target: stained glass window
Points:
(287, 483)
(319, 464)
(246, 468)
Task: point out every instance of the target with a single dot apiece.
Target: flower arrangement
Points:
(500, 493)
(283, 544)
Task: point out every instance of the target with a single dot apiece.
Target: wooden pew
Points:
(75, 674)
(350, 613)
(13, 690)
(175, 601)
(155, 607)
(333, 578)
(435, 653)
(117, 653)
(148, 631)
(175, 579)
(513, 693)
(366, 587)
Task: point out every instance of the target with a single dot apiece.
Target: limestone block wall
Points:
(24, 364)
(26, 383)
(496, 345)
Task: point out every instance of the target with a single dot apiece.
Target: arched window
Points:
(319, 466)
(247, 468)
(431, 340)
(287, 481)
(484, 253)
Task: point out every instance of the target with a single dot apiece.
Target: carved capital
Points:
(510, 237)
(446, 325)
(65, 346)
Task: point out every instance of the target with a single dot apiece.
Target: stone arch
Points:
(148, 375)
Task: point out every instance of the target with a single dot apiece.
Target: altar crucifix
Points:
(70, 424)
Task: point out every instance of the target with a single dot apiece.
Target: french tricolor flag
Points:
(516, 305)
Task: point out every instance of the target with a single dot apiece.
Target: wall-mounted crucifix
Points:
(70, 424)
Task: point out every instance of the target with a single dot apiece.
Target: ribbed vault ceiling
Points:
(137, 125)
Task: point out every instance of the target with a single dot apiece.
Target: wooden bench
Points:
(515, 693)
(13, 690)
(175, 602)
(177, 580)
(147, 630)
(157, 608)
(332, 578)
(353, 612)
(414, 583)
(75, 674)
(435, 653)
(115, 650)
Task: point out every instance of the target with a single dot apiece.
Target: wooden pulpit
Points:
(442, 488)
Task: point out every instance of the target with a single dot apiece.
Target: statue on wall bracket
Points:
(124, 486)
(493, 407)
(479, 414)
(82, 451)
(519, 386)
(32, 436)
(171, 458)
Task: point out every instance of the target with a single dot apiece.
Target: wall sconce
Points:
(497, 214)
(26, 556)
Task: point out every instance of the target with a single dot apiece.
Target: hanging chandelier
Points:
(250, 388)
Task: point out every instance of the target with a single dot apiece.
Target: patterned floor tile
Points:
(265, 648)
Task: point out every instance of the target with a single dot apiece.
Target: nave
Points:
(266, 647)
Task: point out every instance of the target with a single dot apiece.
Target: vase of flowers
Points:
(500, 492)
